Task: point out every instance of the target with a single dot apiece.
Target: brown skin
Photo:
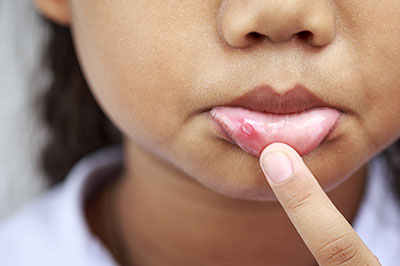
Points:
(176, 223)
(155, 66)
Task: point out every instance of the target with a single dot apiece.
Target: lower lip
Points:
(253, 131)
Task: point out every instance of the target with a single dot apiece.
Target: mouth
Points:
(298, 118)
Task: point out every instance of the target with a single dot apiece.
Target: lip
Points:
(265, 99)
(252, 131)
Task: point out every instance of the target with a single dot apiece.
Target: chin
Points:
(252, 185)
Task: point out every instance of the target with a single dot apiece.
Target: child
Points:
(214, 104)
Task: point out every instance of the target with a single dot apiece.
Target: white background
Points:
(21, 134)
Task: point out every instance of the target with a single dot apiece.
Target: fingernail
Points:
(277, 166)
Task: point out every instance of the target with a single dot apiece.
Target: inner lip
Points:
(222, 128)
(226, 132)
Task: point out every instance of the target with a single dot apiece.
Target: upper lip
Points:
(265, 99)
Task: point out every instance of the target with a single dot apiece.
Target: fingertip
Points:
(277, 167)
(276, 163)
(277, 152)
(277, 147)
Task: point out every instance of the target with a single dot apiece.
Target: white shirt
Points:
(52, 230)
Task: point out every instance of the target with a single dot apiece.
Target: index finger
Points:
(325, 231)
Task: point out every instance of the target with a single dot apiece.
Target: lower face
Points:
(158, 68)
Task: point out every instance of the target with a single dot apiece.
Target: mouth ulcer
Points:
(252, 131)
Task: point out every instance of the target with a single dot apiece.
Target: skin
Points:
(156, 66)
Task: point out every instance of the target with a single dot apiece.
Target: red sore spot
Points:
(247, 129)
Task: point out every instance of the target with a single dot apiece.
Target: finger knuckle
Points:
(298, 201)
(340, 251)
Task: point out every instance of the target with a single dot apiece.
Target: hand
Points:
(325, 231)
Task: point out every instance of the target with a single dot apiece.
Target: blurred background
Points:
(21, 132)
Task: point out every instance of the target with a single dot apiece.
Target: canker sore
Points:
(247, 129)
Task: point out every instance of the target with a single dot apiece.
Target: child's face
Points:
(158, 67)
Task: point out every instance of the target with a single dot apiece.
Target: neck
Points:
(167, 218)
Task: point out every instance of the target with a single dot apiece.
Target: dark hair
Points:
(77, 124)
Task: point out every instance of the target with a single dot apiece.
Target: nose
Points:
(245, 22)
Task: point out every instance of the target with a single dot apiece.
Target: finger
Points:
(325, 231)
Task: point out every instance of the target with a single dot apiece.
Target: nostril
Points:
(254, 36)
(304, 35)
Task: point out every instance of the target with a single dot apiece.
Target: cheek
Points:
(372, 36)
(380, 60)
(135, 64)
(382, 120)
